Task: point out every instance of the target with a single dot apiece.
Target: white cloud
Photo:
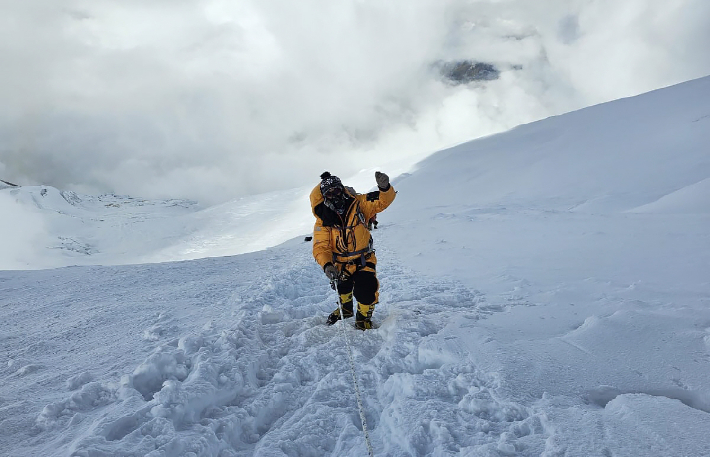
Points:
(205, 98)
(22, 235)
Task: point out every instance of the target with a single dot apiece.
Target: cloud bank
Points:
(23, 235)
(212, 99)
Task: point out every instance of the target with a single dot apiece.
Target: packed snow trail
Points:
(236, 360)
(353, 371)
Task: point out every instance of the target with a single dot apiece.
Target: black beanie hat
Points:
(328, 181)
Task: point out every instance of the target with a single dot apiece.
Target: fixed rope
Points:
(352, 371)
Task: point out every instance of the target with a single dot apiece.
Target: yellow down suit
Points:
(345, 241)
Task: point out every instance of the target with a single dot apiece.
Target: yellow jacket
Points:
(343, 239)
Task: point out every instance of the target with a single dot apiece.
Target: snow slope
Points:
(544, 292)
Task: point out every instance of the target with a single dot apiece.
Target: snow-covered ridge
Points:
(5, 184)
(70, 203)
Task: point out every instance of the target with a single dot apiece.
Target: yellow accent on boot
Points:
(346, 300)
(366, 310)
(363, 324)
(363, 316)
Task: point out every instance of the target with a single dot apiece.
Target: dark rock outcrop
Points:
(466, 71)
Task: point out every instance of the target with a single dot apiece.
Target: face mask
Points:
(336, 200)
(339, 203)
(332, 192)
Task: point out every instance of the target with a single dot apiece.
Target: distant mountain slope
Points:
(73, 229)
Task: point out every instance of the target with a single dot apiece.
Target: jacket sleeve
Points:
(377, 201)
(322, 251)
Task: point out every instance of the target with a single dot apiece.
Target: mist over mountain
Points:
(210, 100)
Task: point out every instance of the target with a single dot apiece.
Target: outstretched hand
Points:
(383, 181)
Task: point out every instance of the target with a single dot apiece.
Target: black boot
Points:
(335, 315)
(362, 322)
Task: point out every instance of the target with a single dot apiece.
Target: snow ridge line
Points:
(363, 420)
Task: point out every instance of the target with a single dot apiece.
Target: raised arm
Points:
(377, 201)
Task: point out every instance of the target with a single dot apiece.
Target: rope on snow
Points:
(352, 371)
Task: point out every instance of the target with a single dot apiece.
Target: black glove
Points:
(330, 271)
(383, 181)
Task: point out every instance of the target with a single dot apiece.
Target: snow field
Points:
(271, 379)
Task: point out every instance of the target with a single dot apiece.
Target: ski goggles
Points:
(333, 192)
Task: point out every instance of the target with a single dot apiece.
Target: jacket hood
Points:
(317, 197)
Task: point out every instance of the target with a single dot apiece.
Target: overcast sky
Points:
(215, 99)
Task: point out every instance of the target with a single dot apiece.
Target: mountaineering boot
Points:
(362, 324)
(363, 316)
(347, 303)
(335, 315)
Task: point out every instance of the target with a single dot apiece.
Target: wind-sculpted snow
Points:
(258, 373)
